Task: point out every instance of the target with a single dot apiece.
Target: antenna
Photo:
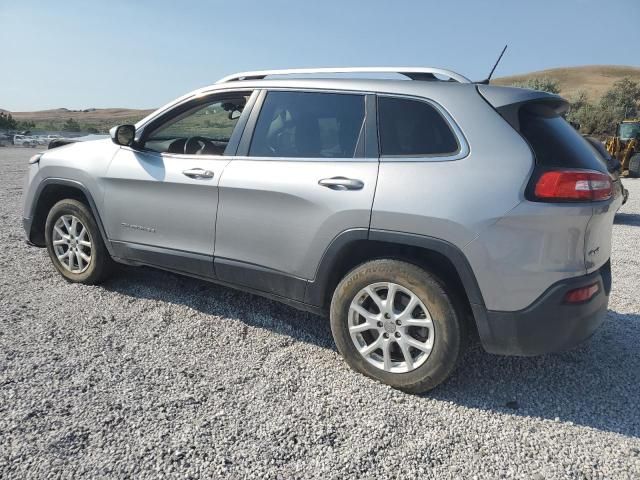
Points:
(486, 80)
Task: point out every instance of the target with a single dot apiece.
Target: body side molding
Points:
(166, 258)
(259, 278)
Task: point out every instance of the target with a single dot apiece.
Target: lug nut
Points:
(385, 335)
(379, 324)
(386, 315)
(398, 322)
(397, 334)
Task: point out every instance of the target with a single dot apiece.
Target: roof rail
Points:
(414, 73)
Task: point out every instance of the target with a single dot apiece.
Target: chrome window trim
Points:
(307, 159)
(177, 156)
(142, 124)
(463, 146)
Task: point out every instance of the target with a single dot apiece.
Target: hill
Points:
(100, 118)
(87, 115)
(593, 79)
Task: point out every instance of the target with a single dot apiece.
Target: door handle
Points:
(198, 173)
(342, 183)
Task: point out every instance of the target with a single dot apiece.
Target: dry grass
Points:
(595, 80)
(100, 118)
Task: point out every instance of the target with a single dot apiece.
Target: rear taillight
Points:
(582, 294)
(573, 185)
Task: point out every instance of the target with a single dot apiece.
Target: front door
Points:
(306, 176)
(161, 196)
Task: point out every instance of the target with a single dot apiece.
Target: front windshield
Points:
(629, 130)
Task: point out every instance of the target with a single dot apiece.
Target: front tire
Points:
(395, 322)
(75, 245)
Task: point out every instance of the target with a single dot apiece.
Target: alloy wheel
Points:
(391, 327)
(72, 244)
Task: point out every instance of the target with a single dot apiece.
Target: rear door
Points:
(306, 172)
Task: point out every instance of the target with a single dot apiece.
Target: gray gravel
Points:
(152, 374)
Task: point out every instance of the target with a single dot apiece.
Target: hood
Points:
(59, 142)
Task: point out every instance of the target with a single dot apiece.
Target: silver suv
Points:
(416, 212)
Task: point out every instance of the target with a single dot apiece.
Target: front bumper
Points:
(26, 225)
(550, 325)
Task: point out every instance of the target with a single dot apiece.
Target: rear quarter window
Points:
(554, 141)
(413, 128)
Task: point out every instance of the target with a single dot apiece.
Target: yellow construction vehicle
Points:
(625, 146)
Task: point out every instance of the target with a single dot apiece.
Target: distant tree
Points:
(593, 119)
(622, 98)
(544, 84)
(600, 118)
(71, 126)
(7, 122)
(92, 130)
(26, 125)
(579, 103)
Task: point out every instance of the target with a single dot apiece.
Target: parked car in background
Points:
(47, 139)
(25, 141)
(5, 139)
(412, 212)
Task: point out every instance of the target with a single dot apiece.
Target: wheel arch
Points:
(354, 247)
(49, 192)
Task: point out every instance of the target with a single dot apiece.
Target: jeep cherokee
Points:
(415, 212)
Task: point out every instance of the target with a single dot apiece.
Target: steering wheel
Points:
(197, 145)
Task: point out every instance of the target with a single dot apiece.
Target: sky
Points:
(142, 54)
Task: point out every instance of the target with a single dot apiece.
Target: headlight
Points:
(35, 158)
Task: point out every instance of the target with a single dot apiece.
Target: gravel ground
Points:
(152, 374)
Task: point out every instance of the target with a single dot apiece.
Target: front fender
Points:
(33, 215)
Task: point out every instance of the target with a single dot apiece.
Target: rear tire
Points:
(634, 166)
(416, 350)
(75, 245)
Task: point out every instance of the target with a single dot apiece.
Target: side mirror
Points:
(123, 135)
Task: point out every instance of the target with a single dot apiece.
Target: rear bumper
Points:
(550, 325)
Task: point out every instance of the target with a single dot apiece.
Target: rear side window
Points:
(413, 128)
(308, 124)
(555, 143)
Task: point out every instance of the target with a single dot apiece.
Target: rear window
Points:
(308, 124)
(413, 128)
(554, 142)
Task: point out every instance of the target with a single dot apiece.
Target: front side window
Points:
(413, 128)
(308, 124)
(201, 130)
